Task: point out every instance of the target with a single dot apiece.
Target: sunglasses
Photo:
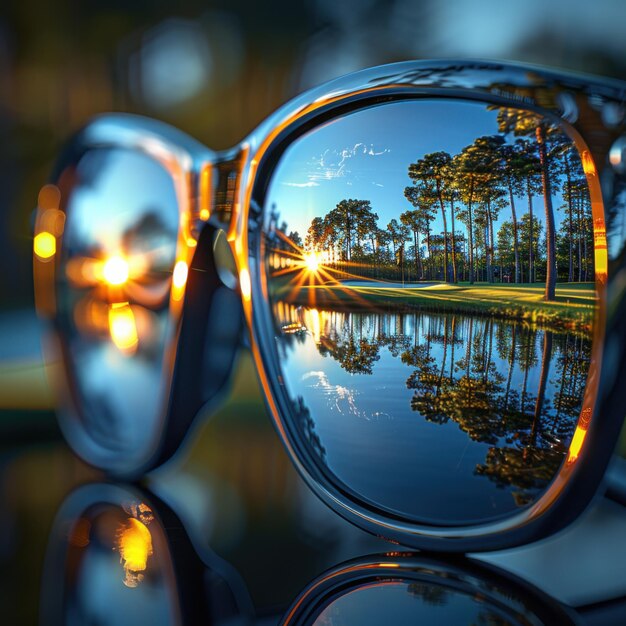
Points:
(427, 257)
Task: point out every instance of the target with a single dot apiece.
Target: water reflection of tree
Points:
(472, 400)
(432, 594)
(514, 387)
(307, 426)
(356, 357)
(528, 469)
(355, 353)
(573, 365)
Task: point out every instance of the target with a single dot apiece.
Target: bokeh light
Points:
(115, 270)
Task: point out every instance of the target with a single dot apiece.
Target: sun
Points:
(115, 270)
(312, 262)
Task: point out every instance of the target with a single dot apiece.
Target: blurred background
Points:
(215, 69)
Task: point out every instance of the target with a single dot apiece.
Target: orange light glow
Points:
(589, 166)
(179, 277)
(312, 261)
(115, 270)
(579, 435)
(577, 444)
(245, 284)
(134, 543)
(600, 249)
(313, 323)
(122, 327)
(179, 280)
(45, 245)
(206, 191)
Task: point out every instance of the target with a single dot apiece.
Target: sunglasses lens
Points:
(432, 277)
(113, 294)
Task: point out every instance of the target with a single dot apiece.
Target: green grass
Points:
(573, 307)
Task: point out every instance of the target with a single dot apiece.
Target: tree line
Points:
(474, 187)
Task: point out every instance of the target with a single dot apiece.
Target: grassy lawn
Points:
(573, 307)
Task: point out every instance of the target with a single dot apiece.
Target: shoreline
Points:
(574, 309)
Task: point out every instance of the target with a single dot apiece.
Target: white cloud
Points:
(311, 183)
(339, 397)
(343, 163)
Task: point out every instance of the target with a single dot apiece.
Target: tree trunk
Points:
(515, 235)
(581, 234)
(454, 276)
(529, 339)
(511, 366)
(547, 202)
(430, 260)
(559, 404)
(491, 245)
(445, 355)
(568, 174)
(470, 234)
(490, 353)
(416, 254)
(445, 233)
(585, 255)
(543, 379)
(468, 356)
(530, 226)
(452, 355)
(488, 260)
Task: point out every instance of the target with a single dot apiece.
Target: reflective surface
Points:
(413, 588)
(407, 603)
(120, 561)
(115, 279)
(247, 502)
(118, 554)
(118, 550)
(432, 275)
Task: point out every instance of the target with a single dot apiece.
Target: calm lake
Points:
(444, 418)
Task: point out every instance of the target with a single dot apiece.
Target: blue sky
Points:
(126, 186)
(365, 155)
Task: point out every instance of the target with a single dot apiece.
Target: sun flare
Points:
(115, 270)
(312, 261)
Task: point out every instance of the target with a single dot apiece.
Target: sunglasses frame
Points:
(230, 188)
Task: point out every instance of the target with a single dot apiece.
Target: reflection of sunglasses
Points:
(108, 539)
(422, 254)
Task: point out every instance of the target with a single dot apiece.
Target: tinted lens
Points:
(432, 278)
(113, 299)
